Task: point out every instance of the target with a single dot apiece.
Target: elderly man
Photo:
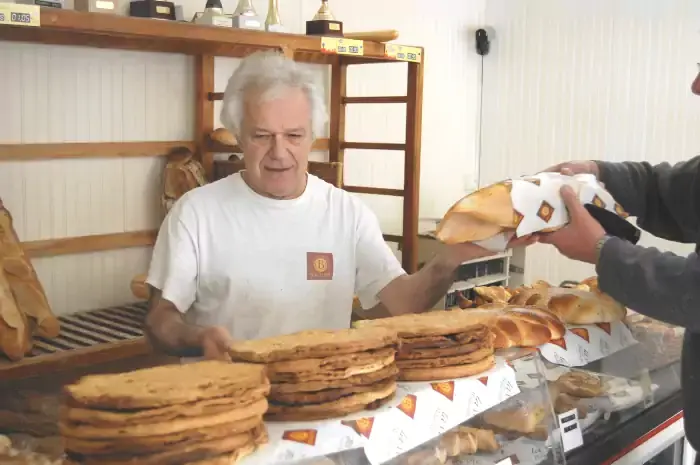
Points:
(663, 285)
(274, 250)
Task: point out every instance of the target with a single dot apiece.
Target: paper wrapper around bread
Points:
(492, 215)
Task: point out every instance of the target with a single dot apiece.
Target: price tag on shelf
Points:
(341, 46)
(403, 53)
(14, 14)
(571, 435)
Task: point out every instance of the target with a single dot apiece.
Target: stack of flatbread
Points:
(439, 345)
(325, 374)
(201, 413)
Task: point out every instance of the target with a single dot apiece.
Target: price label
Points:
(341, 46)
(403, 53)
(14, 14)
(571, 435)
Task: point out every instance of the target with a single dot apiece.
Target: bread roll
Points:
(573, 306)
(15, 338)
(182, 174)
(23, 281)
(139, 287)
(223, 136)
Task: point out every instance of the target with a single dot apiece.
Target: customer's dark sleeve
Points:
(665, 199)
(659, 284)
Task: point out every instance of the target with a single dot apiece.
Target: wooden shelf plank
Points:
(374, 190)
(93, 243)
(376, 99)
(66, 27)
(23, 152)
(373, 146)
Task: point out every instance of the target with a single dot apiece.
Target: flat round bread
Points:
(463, 359)
(205, 407)
(313, 344)
(357, 380)
(447, 372)
(182, 454)
(340, 373)
(435, 323)
(326, 395)
(462, 349)
(338, 408)
(150, 444)
(580, 384)
(165, 385)
(83, 431)
(332, 362)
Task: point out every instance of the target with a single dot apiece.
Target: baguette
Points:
(15, 338)
(24, 283)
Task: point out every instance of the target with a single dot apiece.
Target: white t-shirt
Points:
(261, 267)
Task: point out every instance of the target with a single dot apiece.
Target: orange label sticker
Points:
(607, 327)
(446, 389)
(319, 266)
(408, 405)
(559, 342)
(302, 436)
(582, 333)
(484, 380)
(362, 426)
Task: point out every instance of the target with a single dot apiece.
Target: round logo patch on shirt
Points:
(319, 266)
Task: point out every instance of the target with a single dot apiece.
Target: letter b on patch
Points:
(319, 266)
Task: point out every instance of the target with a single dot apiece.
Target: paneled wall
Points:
(600, 79)
(64, 94)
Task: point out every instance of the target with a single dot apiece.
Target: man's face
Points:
(276, 140)
(695, 87)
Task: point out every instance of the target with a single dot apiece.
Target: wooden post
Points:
(204, 110)
(339, 72)
(411, 186)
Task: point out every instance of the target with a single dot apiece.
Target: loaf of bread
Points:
(24, 283)
(573, 306)
(517, 326)
(223, 136)
(15, 337)
(182, 174)
(478, 216)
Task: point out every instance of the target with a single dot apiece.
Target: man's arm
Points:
(167, 330)
(659, 284)
(664, 198)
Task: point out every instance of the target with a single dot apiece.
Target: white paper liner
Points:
(537, 200)
(426, 410)
(583, 344)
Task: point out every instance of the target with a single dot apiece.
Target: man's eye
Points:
(261, 136)
(295, 136)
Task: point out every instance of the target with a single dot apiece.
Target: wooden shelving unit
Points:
(65, 27)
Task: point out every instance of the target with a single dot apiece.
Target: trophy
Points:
(213, 15)
(324, 24)
(273, 23)
(157, 9)
(245, 16)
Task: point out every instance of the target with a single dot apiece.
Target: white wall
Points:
(69, 94)
(601, 79)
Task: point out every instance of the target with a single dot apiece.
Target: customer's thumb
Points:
(571, 201)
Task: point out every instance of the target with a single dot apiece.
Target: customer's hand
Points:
(524, 241)
(579, 239)
(215, 342)
(571, 168)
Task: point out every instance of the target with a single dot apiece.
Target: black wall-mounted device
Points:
(483, 43)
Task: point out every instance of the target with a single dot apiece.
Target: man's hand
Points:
(571, 168)
(579, 239)
(524, 241)
(215, 342)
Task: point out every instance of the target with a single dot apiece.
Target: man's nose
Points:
(278, 146)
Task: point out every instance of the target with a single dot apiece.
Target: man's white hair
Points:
(267, 73)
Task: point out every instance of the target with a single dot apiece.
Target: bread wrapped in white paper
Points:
(492, 215)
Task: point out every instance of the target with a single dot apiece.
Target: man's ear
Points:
(695, 87)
